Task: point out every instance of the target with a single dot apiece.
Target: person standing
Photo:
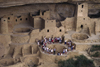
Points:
(66, 51)
(50, 40)
(65, 42)
(51, 51)
(54, 51)
(38, 43)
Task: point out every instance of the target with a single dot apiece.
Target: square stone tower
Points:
(4, 26)
(82, 17)
(50, 27)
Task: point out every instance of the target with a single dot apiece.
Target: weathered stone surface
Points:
(8, 3)
(55, 10)
(2, 49)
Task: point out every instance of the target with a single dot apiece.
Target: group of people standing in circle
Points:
(44, 41)
(70, 44)
(47, 41)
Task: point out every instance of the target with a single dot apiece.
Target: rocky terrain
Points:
(8, 3)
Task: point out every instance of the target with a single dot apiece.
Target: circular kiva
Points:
(79, 36)
(22, 30)
(59, 48)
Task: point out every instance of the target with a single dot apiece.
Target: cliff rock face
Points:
(58, 11)
(8, 3)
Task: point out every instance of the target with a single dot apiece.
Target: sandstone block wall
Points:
(83, 47)
(4, 26)
(5, 39)
(20, 38)
(38, 23)
(17, 65)
(82, 18)
(13, 20)
(69, 24)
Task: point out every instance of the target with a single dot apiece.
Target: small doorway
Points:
(82, 26)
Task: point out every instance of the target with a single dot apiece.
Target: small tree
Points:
(81, 61)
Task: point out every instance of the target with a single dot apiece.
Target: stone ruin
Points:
(22, 24)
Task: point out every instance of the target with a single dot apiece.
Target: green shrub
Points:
(95, 48)
(97, 54)
(81, 61)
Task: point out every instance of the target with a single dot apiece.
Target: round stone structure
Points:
(22, 31)
(80, 36)
(59, 48)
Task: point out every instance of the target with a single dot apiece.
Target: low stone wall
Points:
(83, 38)
(31, 59)
(19, 39)
(55, 58)
(82, 47)
(22, 50)
(9, 62)
(86, 41)
(5, 39)
(17, 65)
(80, 36)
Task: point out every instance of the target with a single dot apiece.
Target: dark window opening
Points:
(20, 18)
(82, 26)
(47, 30)
(60, 30)
(83, 18)
(4, 20)
(43, 12)
(16, 20)
(26, 18)
(1, 17)
(36, 13)
(33, 15)
(8, 18)
(11, 14)
(82, 6)
(3, 56)
(79, 3)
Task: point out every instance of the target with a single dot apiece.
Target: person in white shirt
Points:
(38, 43)
(65, 42)
(61, 54)
(52, 51)
(47, 50)
(66, 51)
